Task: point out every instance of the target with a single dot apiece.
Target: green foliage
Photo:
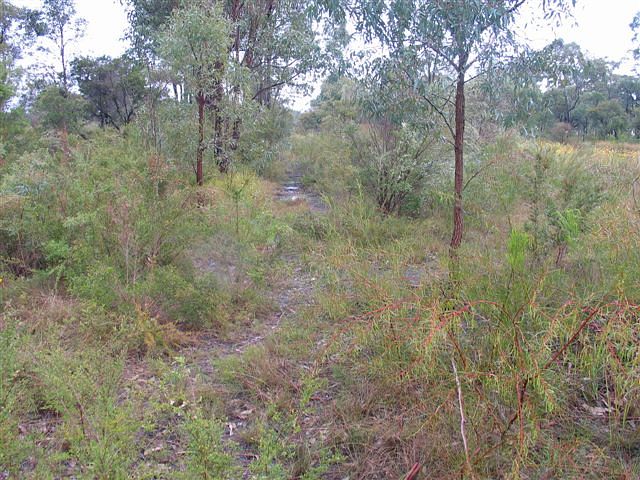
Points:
(517, 247)
(276, 451)
(362, 365)
(568, 225)
(608, 119)
(563, 194)
(26, 220)
(322, 156)
(83, 387)
(266, 133)
(146, 19)
(19, 26)
(584, 97)
(195, 42)
(171, 296)
(272, 457)
(102, 224)
(172, 124)
(141, 318)
(234, 74)
(235, 186)
(12, 400)
(56, 255)
(397, 152)
(114, 88)
(100, 285)
(56, 109)
(62, 26)
(392, 138)
(208, 458)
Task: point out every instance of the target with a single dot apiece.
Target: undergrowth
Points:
(151, 329)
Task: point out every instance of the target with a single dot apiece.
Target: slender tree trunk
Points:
(218, 121)
(64, 132)
(63, 61)
(458, 220)
(235, 135)
(214, 102)
(201, 146)
(562, 251)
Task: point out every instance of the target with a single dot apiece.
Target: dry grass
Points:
(353, 377)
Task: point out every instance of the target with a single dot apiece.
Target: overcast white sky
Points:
(600, 27)
(106, 25)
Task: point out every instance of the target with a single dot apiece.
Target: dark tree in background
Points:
(114, 87)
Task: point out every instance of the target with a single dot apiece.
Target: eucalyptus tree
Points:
(19, 28)
(395, 144)
(114, 87)
(9, 50)
(465, 38)
(276, 41)
(63, 27)
(195, 43)
(146, 20)
(635, 28)
(627, 91)
(272, 45)
(566, 71)
(273, 39)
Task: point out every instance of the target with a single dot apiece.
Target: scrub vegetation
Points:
(434, 272)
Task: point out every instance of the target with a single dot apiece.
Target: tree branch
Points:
(480, 170)
(441, 113)
(463, 420)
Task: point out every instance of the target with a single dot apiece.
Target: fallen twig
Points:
(463, 420)
(413, 473)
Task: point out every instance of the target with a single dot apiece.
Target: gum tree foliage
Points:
(392, 134)
(569, 74)
(513, 96)
(396, 151)
(560, 88)
(274, 39)
(19, 28)
(114, 88)
(606, 118)
(146, 19)
(465, 38)
(195, 44)
(9, 49)
(272, 46)
(56, 110)
(62, 28)
(635, 27)
(627, 91)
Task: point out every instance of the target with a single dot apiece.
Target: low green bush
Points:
(170, 296)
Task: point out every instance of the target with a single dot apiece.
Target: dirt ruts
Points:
(292, 190)
(289, 295)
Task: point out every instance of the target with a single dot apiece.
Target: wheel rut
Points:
(289, 295)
